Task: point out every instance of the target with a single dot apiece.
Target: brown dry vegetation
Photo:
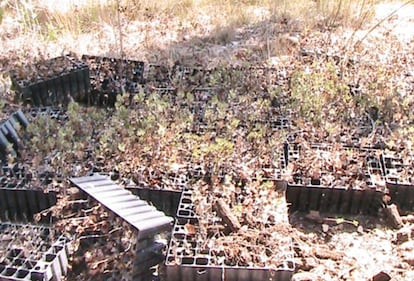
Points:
(347, 61)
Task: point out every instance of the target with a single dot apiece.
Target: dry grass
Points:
(82, 16)
(169, 30)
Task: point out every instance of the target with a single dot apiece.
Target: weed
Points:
(317, 88)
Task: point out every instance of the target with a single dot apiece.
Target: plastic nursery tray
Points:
(107, 80)
(279, 123)
(399, 175)
(22, 204)
(186, 208)
(57, 81)
(19, 201)
(162, 179)
(334, 194)
(164, 200)
(10, 135)
(161, 76)
(31, 253)
(267, 75)
(273, 168)
(190, 259)
(57, 113)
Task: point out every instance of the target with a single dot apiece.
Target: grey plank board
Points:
(138, 213)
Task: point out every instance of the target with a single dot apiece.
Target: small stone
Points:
(325, 227)
(382, 276)
(314, 216)
(403, 235)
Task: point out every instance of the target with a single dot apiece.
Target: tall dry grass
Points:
(82, 16)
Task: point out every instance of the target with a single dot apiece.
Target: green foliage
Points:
(44, 135)
(52, 32)
(216, 150)
(318, 93)
(1, 14)
(256, 134)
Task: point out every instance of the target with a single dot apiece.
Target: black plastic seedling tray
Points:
(190, 259)
(10, 135)
(357, 191)
(186, 207)
(159, 76)
(22, 204)
(277, 123)
(399, 175)
(59, 80)
(272, 169)
(110, 77)
(57, 113)
(19, 198)
(162, 76)
(164, 200)
(333, 199)
(32, 253)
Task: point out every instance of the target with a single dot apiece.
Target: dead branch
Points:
(227, 216)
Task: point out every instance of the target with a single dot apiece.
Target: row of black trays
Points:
(98, 80)
(336, 178)
(190, 258)
(52, 82)
(93, 80)
(12, 130)
(32, 253)
(205, 113)
(193, 76)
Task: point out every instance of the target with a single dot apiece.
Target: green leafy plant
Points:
(319, 94)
